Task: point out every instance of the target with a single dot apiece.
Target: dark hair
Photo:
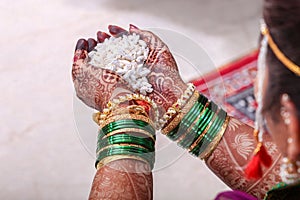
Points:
(283, 20)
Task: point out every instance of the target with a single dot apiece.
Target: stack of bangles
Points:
(126, 132)
(198, 125)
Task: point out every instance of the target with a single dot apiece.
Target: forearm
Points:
(125, 149)
(123, 179)
(233, 153)
(226, 144)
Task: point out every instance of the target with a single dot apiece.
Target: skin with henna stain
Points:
(95, 86)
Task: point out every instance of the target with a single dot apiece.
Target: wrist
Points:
(198, 126)
(126, 130)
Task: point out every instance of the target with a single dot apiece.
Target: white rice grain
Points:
(126, 56)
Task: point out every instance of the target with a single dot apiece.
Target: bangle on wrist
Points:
(215, 126)
(177, 106)
(198, 109)
(126, 133)
(198, 127)
(113, 106)
(213, 145)
(177, 119)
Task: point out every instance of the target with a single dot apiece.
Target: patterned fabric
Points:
(232, 87)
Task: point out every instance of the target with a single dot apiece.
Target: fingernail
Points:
(81, 44)
(101, 36)
(115, 30)
(131, 26)
(91, 43)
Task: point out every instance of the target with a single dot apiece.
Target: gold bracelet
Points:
(213, 145)
(204, 132)
(109, 159)
(131, 130)
(178, 105)
(111, 105)
(194, 98)
(99, 117)
(132, 109)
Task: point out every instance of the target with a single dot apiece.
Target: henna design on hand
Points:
(94, 86)
(165, 78)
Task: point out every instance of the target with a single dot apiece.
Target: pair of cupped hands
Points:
(96, 86)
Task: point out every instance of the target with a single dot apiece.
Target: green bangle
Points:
(188, 119)
(127, 124)
(199, 147)
(217, 124)
(127, 121)
(173, 133)
(196, 150)
(127, 150)
(209, 138)
(201, 125)
(133, 131)
(120, 123)
(127, 139)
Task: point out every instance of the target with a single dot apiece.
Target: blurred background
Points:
(45, 151)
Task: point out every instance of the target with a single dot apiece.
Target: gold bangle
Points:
(109, 159)
(126, 130)
(111, 105)
(126, 116)
(99, 117)
(178, 105)
(213, 145)
(122, 145)
(181, 114)
(132, 109)
(204, 132)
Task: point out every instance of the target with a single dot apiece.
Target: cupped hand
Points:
(94, 86)
(164, 76)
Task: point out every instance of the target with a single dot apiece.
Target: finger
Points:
(116, 30)
(101, 36)
(80, 49)
(82, 44)
(91, 44)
